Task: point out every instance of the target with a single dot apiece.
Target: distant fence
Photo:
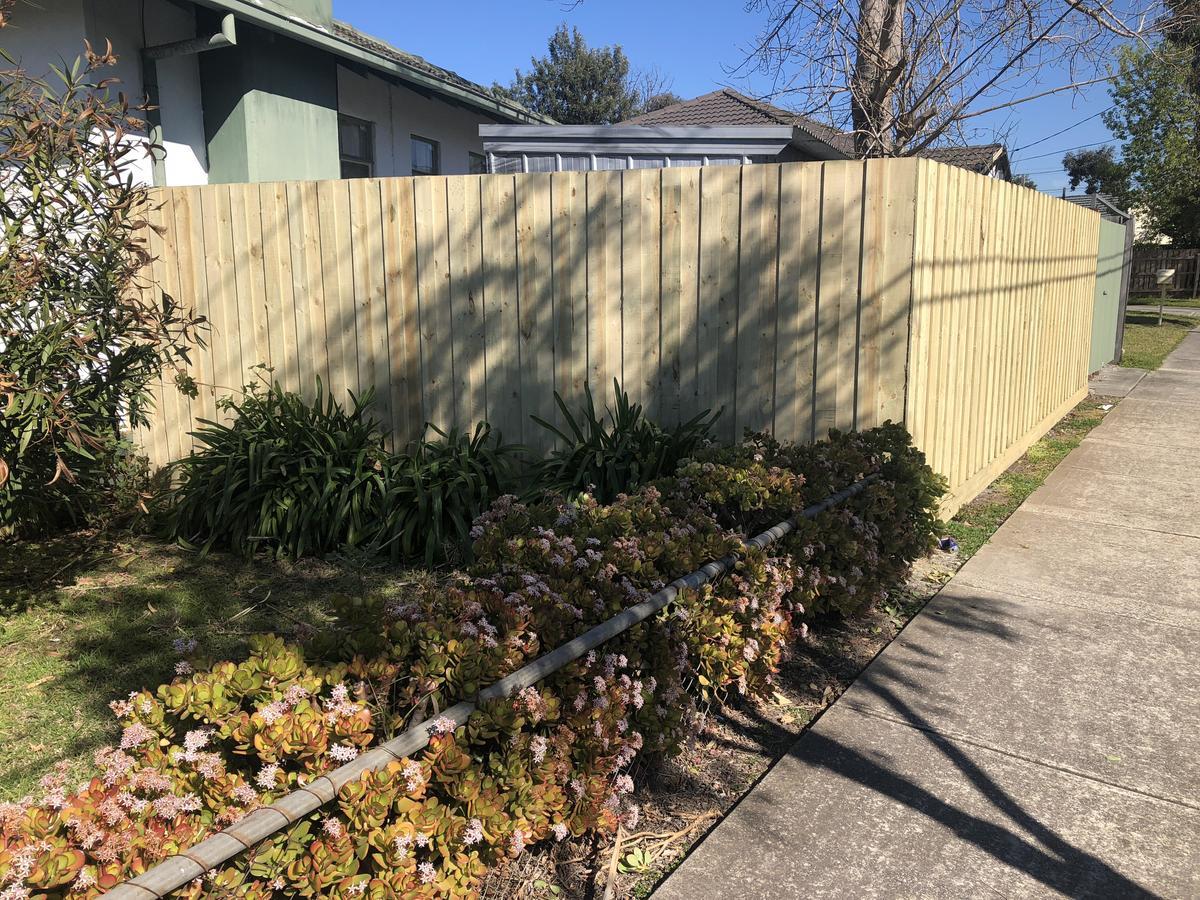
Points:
(799, 297)
(1148, 260)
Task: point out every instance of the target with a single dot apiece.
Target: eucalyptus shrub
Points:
(81, 336)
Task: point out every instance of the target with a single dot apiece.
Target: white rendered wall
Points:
(54, 31)
(399, 113)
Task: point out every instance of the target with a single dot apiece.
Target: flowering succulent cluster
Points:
(548, 763)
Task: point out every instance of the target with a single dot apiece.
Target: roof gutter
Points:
(319, 36)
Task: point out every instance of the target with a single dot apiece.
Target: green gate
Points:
(1110, 276)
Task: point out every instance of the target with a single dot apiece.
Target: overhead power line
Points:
(1062, 131)
(1065, 150)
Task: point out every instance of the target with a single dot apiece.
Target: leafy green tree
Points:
(660, 101)
(1155, 115)
(1098, 170)
(576, 84)
(1024, 181)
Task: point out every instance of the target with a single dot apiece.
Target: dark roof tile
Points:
(728, 107)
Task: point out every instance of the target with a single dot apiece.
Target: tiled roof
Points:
(980, 158)
(728, 107)
(352, 35)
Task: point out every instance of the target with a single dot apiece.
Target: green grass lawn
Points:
(1147, 343)
(978, 520)
(85, 620)
(1178, 302)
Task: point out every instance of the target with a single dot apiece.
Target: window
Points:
(356, 146)
(478, 163)
(426, 156)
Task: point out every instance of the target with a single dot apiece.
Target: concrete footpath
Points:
(1035, 731)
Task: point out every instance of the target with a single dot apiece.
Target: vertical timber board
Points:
(603, 281)
(337, 277)
(502, 338)
(403, 316)
(193, 283)
(896, 284)
(640, 307)
(915, 376)
(940, 333)
(689, 273)
(873, 287)
(671, 291)
(277, 268)
(1002, 193)
(720, 206)
(569, 273)
(756, 316)
(792, 393)
(837, 329)
(312, 346)
(433, 293)
(976, 300)
(249, 280)
(162, 435)
(833, 223)
(222, 293)
(467, 304)
(536, 305)
(370, 294)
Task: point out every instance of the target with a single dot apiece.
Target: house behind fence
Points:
(799, 297)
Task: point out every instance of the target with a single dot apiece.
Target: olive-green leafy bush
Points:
(81, 336)
(547, 764)
(290, 476)
(612, 454)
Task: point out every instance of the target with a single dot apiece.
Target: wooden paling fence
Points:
(798, 297)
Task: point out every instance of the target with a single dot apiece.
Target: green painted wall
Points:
(1109, 269)
(270, 110)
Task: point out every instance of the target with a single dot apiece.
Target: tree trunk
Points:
(877, 66)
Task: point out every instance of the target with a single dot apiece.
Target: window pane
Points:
(575, 163)
(424, 156)
(541, 162)
(356, 139)
(478, 164)
(649, 162)
(610, 162)
(352, 169)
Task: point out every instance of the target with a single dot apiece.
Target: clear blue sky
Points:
(691, 41)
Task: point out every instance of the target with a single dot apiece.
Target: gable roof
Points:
(727, 107)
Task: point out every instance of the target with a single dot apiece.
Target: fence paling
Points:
(799, 297)
(177, 871)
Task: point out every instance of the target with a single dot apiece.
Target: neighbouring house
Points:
(720, 128)
(269, 90)
(1102, 203)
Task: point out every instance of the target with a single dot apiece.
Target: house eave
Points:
(746, 140)
(318, 35)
